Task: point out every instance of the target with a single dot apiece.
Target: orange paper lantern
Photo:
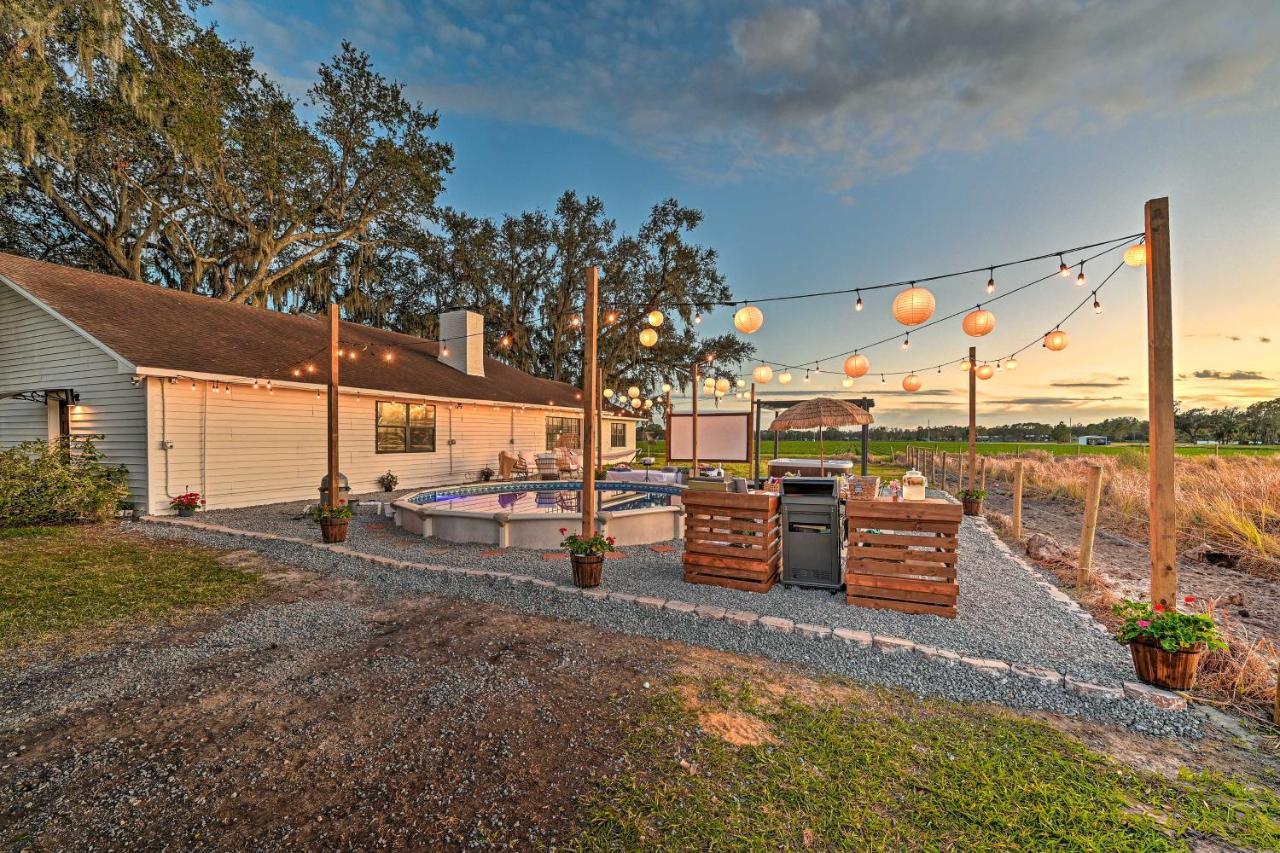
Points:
(1056, 340)
(911, 383)
(913, 306)
(978, 322)
(985, 371)
(748, 319)
(856, 365)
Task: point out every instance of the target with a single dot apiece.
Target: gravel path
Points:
(1003, 613)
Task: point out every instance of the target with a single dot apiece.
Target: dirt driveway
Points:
(318, 718)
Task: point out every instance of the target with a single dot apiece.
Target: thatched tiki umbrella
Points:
(822, 412)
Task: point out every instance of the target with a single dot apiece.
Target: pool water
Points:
(540, 500)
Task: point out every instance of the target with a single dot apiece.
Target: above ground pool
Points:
(531, 514)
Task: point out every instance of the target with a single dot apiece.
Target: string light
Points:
(1080, 277)
(697, 318)
(444, 350)
(857, 306)
(504, 341)
(1063, 270)
(1097, 306)
(216, 389)
(991, 280)
(906, 342)
(806, 374)
(193, 385)
(610, 317)
(255, 384)
(847, 382)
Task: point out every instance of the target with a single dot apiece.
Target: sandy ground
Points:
(1251, 603)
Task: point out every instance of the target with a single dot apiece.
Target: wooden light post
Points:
(334, 493)
(1162, 519)
(693, 472)
(973, 415)
(753, 454)
(590, 403)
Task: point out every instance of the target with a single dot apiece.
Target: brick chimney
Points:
(462, 335)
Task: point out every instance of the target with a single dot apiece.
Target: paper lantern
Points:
(964, 365)
(911, 383)
(1056, 340)
(978, 322)
(748, 319)
(655, 317)
(856, 365)
(722, 385)
(709, 383)
(648, 404)
(763, 374)
(1136, 255)
(1011, 364)
(635, 404)
(784, 378)
(648, 337)
(666, 387)
(847, 382)
(913, 306)
(985, 371)
(633, 392)
(608, 393)
(740, 382)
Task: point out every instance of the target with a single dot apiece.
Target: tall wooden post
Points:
(754, 452)
(1162, 519)
(1092, 497)
(944, 470)
(693, 470)
(334, 494)
(973, 417)
(590, 400)
(667, 411)
(586, 452)
(1017, 499)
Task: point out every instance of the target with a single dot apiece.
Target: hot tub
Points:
(809, 467)
(531, 514)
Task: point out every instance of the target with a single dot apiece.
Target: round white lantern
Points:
(856, 365)
(1011, 364)
(666, 387)
(648, 337)
(1056, 340)
(763, 374)
(748, 319)
(847, 382)
(655, 317)
(633, 392)
(964, 365)
(985, 371)
(722, 385)
(635, 404)
(978, 322)
(608, 393)
(784, 378)
(913, 306)
(1136, 255)
(911, 383)
(648, 404)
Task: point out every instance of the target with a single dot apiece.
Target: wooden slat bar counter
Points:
(902, 555)
(732, 540)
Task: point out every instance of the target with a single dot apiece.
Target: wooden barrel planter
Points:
(902, 555)
(1171, 670)
(586, 569)
(732, 540)
(333, 530)
(972, 506)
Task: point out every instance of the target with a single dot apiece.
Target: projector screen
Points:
(722, 437)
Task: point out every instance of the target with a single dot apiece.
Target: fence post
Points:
(1092, 497)
(1017, 499)
(983, 482)
(944, 470)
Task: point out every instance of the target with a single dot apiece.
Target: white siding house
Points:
(193, 394)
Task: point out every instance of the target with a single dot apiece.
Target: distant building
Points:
(1093, 440)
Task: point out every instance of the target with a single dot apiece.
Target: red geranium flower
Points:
(564, 530)
(1159, 608)
(1190, 599)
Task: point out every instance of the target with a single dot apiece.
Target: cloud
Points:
(1053, 401)
(1263, 339)
(1097, 384)
(1231, 375)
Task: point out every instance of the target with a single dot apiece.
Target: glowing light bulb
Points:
(697, 319)
(1080, 277)
(906, 343)
(1012, 363)
(1063, 269)
(857, 306)
(847, 382)
(1097, 306)
(991, 280)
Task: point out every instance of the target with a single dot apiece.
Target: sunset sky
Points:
(837, 144)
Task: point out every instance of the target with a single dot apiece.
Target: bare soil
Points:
(447, 723)
(1122, 556)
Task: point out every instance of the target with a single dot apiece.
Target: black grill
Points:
(813, 532)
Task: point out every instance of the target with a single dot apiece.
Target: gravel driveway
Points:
(1003, 612)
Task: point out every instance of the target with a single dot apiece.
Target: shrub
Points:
(58, 482)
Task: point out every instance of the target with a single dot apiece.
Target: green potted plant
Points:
(972, 500)
(587, 556)
(388, 482)
(333, 521)
(1166, 644)
(186, 504)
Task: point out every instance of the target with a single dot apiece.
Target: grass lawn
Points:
(742, 768)
(59, 580)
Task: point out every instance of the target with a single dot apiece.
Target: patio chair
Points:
(547, 467)
(512, 466)
(567, 463)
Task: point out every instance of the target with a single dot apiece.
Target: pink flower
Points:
(1143, 623)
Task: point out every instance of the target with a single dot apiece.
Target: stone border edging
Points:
(1130, 691)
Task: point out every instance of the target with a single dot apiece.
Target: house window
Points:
(564, 432)
(617, 435)
(405, 427)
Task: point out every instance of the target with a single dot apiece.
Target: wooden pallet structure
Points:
(902, 555)
(732, 540)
